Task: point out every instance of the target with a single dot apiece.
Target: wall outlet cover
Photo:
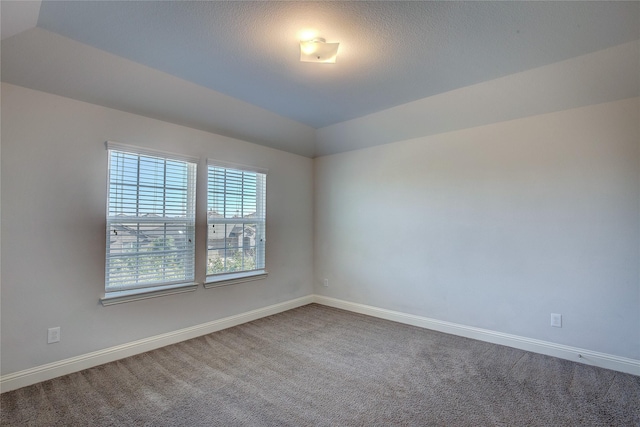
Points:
(53, 335)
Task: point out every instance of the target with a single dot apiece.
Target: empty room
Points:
(323, 213)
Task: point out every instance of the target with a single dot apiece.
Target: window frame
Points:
(230, 278)
(188, 253)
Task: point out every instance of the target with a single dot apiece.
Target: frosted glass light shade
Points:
(317, 50)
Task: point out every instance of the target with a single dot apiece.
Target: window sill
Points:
(139, 294)
(233, 278)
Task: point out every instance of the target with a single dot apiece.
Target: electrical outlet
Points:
(325, 283)
(556, 320)
(53, 335)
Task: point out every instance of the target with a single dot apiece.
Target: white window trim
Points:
(226, 279)
(230, 165)
(134, 149)
(127, 295)
(119, 297)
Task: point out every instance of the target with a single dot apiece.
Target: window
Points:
(150, 221)
(236, 223)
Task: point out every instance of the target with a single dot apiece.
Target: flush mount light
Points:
(318, 50)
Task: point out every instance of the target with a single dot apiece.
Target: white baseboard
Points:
(63, 367)
(603, 360)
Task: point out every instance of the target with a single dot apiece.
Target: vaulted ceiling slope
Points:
(233, 67)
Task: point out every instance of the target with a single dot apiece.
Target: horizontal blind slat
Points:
(150, 220)
(235, 218)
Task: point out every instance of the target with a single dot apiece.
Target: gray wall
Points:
(54, 170)
(494, 227)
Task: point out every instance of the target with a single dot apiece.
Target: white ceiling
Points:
(245, 55)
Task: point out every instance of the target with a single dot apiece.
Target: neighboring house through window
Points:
(150, 221)
(151, 217)
(236, 222)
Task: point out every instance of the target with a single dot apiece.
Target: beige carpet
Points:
(319, 366)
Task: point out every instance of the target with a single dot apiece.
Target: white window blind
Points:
(150, 219)
(236, 219)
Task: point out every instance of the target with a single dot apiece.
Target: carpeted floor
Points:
(320, 366)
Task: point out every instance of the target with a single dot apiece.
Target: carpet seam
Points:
(613, 380)
(516, 362)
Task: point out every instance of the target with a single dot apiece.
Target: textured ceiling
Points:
(390, 52)
(404, 69)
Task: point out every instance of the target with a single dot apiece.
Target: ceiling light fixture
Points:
(318, 50)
